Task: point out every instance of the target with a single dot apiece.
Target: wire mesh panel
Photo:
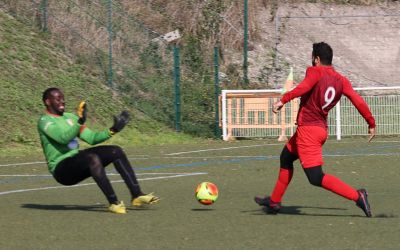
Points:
(384, 107)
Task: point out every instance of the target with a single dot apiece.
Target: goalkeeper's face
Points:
(55, 103)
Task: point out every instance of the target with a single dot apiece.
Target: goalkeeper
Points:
(59, 132)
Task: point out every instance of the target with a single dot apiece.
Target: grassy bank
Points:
(29, 64)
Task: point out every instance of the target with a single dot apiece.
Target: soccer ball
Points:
(206, 193)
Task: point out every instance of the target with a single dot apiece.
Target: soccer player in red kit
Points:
(320, 90)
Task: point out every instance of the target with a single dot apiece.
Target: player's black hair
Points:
(324, 52)
(47, 93)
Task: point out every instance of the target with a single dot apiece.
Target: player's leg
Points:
(285, 174)
(329, 182)
(74, 169)
(273, 202)
(116, 155)
(310, 141)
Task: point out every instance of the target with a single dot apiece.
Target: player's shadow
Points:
(297, 210)
(93, 208)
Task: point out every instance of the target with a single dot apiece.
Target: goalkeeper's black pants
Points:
(91, 163)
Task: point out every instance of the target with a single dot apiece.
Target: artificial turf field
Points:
(38, 213)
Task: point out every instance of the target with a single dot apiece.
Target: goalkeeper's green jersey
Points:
(59, 137)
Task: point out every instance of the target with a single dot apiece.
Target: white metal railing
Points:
(248, 113)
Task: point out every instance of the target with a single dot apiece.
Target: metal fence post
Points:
(110, 39)
(338, 122)
(276, 59)
(217, 91)
(44, 13)
(245, 44)
(177, 88)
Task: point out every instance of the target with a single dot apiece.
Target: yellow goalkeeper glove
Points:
(82, 112)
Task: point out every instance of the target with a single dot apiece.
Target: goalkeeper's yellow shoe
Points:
(117, 208)
(145, 199)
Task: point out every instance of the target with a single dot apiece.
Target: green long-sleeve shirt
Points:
(59, 137)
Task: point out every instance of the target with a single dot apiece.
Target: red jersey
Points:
(320, 90)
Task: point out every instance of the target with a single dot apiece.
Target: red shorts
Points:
(307, 144)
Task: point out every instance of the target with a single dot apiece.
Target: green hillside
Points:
(29, 64)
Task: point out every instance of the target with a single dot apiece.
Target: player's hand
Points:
(120, 122)
(372, 132)
(277, 106)
(82, 112)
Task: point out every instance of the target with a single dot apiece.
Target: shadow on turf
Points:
(296, 210)
(94, 208)
(202, 209)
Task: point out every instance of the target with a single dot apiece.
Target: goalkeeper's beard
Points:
(58, 109)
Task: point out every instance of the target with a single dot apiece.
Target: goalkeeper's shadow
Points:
(60, 207)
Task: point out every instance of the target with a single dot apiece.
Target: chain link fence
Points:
(118, 42)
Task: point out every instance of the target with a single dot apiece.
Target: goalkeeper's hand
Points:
(120, 122)
(82, 112)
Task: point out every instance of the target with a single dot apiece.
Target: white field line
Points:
(108, 174)
(145, 157)
(361, 154)
(361, 142)
(218, 149)
(255, 156)
(385, 141)
(196, 157)
(92, 183)
(22, 163)
(277, 155)
(212, 157)
(25, 175)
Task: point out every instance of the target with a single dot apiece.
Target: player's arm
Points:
(91, 137)
(55, 132)
(361, 106)
(311, 78)
(86, 134)
(303, 87)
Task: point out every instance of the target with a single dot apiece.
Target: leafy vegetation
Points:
(73, 54)
(30, 64)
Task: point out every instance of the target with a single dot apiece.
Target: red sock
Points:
(339, 187)
(285, 175)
